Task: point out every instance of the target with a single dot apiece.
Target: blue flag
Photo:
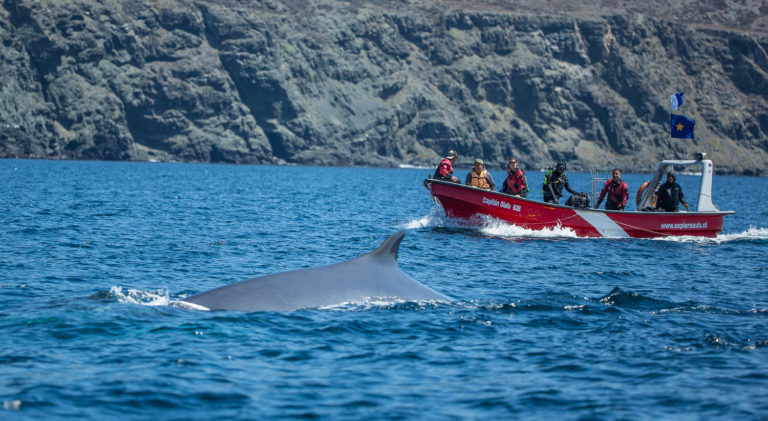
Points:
(676, 100)
(682, 126)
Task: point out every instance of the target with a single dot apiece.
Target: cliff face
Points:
(354, 83)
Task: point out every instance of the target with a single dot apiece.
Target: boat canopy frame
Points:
(704, 203)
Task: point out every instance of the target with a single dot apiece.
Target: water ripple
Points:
(97, 257)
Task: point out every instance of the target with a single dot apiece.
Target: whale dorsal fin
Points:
(389, 248)
(375, 274)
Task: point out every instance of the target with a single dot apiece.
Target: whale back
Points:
(375, 274)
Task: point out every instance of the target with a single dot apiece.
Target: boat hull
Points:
(461, 201)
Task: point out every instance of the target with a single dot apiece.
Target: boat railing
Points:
(596, 183)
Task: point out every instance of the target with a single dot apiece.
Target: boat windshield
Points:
(704, 203)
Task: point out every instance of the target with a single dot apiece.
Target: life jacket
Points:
(479, 180)
(516, 183)
(640, 192)
(444, 170)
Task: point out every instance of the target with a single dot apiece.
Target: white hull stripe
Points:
(602, 223)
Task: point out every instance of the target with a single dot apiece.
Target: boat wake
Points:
(498, 228)
(486, 225)
(750, 235)
(435, 219)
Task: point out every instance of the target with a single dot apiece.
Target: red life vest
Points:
(446, 168)
(515, 183)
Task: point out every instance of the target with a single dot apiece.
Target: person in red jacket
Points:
(444, 171)
(515, 184)
(617, 190)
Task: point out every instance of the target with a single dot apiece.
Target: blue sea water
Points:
(94, 257)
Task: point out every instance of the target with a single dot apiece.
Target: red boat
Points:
(461, 201)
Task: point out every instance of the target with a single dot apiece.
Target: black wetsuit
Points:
(557, 181)
(670, 195)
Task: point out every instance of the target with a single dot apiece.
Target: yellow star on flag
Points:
(679, 127)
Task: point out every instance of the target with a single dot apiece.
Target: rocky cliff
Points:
(333, 82)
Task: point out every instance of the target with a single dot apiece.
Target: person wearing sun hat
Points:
(479, 177)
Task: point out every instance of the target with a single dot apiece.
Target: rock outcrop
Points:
(334, 82)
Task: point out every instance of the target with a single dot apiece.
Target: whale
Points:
(372, 275)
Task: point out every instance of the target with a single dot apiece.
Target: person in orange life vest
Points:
(617, 190)
(444, 170)
(479, 177)
(515, 184)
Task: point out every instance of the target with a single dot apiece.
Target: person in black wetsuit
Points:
(554, 181)
(670, 195)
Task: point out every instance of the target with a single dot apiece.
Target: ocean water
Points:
(94, 257)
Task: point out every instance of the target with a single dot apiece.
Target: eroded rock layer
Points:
(383, 83)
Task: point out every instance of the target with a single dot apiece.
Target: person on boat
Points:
(617, 190)
(516, 184)
(554, 181)
(444, 170)
(670, 195)
(479, 177)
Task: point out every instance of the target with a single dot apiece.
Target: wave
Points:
(621, 298)
(618, 299)
(383, 303)
(157, 298)
(146, 298)
(411, 167)
(13, 405)
(565, 302)
(630, 299)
